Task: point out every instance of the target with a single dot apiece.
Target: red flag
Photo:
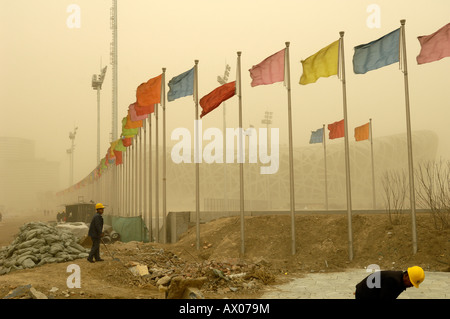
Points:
(127, 141)
(134, 116)
(337, 129)
(149, 93)
(212, 100)
(362, 132)
(118, 155)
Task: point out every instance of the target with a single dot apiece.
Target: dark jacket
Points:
(390, 286)
(96, 226)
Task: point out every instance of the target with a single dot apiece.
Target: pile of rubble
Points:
(231, 275)
(147, 265)
(39, 243)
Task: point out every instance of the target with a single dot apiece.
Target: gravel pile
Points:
(39, 243)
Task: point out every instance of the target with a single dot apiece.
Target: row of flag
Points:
(325, 63)
(337, 131)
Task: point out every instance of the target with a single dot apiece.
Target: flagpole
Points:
(120, 190)
(347, 159)
(156, 176)
(127, 186)
(135, 191)
(373, 167)
(325, 163)
(150, 191)
(291, 159)
(130, 149)
(163, 93)
(139, 177)
(135, 147)
(241, 154)
(144, 173)
(139, 170)
(408, 127)
(196, 157)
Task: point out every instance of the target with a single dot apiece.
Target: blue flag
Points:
(377, 54)
(316, 136)
(181, 85)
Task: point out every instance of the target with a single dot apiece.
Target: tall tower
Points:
(113, 58)
(97, 81)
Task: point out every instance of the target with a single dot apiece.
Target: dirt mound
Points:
(321, 242)
(321, 246)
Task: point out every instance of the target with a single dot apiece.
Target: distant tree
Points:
(395, 191)
(433, 191)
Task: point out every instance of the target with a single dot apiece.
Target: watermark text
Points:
(216, 152)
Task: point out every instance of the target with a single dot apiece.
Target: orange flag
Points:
(362, 132)
(142, 110)
(337, 129)
(132, 124)
(212, 100)
(149, 93)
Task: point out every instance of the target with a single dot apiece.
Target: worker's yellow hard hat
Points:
(99, 205)
(416, 275)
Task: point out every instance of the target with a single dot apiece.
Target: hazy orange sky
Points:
(46, 67)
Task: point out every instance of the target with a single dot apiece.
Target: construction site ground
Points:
(321, 246)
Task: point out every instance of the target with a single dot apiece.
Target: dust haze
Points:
(50, 50)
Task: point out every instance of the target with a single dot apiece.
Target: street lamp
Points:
(71, 151)
(97, 81)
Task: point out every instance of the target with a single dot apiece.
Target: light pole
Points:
(222, 81)
(97, 81)
(71, 151)
(114, 60)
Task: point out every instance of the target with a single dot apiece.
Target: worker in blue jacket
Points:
(96, 233)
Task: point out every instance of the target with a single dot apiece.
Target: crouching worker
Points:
(96, 233)
(387, 284)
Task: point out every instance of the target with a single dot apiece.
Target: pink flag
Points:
(132, 113)
(434, 46)
(269, 71)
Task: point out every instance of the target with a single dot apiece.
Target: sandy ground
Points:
(321, 246)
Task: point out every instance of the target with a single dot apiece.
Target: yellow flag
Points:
(133, 124)
(322, 64)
